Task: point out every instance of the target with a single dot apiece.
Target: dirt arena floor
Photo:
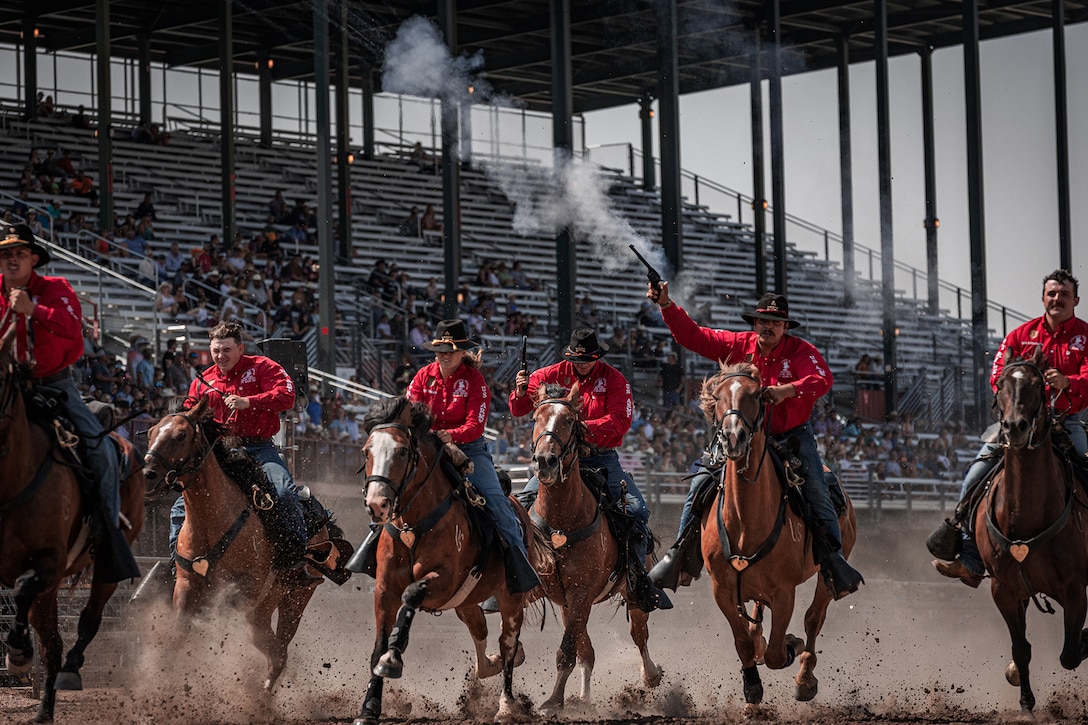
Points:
(910, 647)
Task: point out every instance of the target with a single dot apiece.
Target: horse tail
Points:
(541, 553)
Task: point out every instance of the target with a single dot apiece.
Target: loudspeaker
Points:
(291, 354)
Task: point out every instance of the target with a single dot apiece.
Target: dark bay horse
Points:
(223, 540)
(586, 552)
(430, 555)
(1030, 524)
(755, 546)
(43, 535)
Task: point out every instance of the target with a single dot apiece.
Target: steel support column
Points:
(846, 173)
(105, 114)
(929, 156)
(759, 173)
(143, 76)
(563, 140)
(778, 150)
(326, 243)
(668, 106)
(226, 123)
(343, 141)
(1061, 136)
(368, 113)
(30, 66)
(975, 211)
(451, 170)
(887, 246)
(646, 117)
(264, 97)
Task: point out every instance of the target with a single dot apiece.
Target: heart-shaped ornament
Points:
(408, 538)
(739, 564)
(201, 566)
(558, 539)
(1019, 551)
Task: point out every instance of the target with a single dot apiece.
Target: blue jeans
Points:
(276, 470)
(980, 467)
(815, 489)
(101, 455)
(609, 460)
(498, 505)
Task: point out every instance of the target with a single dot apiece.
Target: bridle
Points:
(567, 449)
(751, 426)
(187, 466)
(409, 471)
(1037, 432)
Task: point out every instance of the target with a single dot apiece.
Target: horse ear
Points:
(1008, 356)
(575, 396)
(200, 409)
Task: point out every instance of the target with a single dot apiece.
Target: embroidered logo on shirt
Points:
(785, 373)
(1077, 343)
(599, 386)
(249, 376)
(460, 389)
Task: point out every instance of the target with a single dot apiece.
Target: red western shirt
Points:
(57, 325)
(1066, 350)
(263, 381)
(794, 361)
(459, 403)
(607, 404)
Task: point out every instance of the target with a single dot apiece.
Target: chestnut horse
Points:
(1030, 524)
(755, 546)
(44, 537)
(430, 556)
(587, 555)
(223, 541)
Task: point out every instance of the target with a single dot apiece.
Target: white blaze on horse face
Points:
(733, 438)
(381, 449)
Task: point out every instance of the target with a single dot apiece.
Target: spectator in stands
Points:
(1060, 336)
(410, 226)
(102, 374)
(607, 406)
(795, 377)
(671, 379)
(425, 160)
(340, 428)
(277, 208)
(429, 221)
(300, 319)
(519, 278)
(587, 312)
(145, 368)
(502, 273)
(83, 185)
(298, 233)
(383, 330)
(79, 120)
(45, 106)
(64, 163)
(404, 373)
(420, 334)
(172, 262)
(378, 276)
(147, 273)
(146, 208)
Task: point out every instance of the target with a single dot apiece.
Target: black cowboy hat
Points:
(450, 336)
(19, 235)
(772, 307)
(584, 346)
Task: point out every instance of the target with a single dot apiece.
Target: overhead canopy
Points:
(614, 51)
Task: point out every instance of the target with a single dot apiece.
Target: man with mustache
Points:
(1063, 339)
(795, 376)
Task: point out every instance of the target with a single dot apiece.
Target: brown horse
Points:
(43, 535)
(1030, 524)
(430, 556)
(586, 553)
(755, 546)
(222, 542)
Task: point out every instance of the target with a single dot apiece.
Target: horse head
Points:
(1021, 401)
(176, 447)
(391, 455)
(558, 432)
(732, 403)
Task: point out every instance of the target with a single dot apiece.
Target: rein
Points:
(188, 465)
(566, 448)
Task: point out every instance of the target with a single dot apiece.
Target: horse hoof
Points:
(389, 666)
(550, 708)
(367, 719)
(753, 694)
(68, 681)
(807, 691)
(20, 662)
(1012, 675)
(652, 677)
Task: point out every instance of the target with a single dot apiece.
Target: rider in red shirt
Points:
(607, 410)
(247, 394)
(794, 375)
(48, 317)
(1063, 338)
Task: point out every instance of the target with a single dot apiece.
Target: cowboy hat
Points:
(20, 235)
(584, 346)
(450, 336)
(772, 307)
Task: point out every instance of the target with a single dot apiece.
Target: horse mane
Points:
(707, 399)
(236, 463)
(392, 410)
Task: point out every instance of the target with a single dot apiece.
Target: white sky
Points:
(1020, 179)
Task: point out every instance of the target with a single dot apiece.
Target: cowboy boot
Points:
(967, 567)
(365, 558)
(839, 577)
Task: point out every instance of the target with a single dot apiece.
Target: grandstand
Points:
(183, 178)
